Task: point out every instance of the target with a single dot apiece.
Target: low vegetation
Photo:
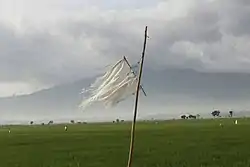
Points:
(177, 143)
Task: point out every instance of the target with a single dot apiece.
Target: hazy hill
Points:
(170, 91)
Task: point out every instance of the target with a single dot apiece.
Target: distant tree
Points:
(79, 122)
(50, 122)
(231, 113)
(117, 120)
(72, 121)
(42, 124)
(192, 116)
(31, 122)
(183, 117)
(216, 113)
(113, 121)
(213, 113)
(122, 120)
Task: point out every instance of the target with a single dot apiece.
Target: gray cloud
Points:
(68, 42)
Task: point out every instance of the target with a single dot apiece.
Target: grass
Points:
(182, 143)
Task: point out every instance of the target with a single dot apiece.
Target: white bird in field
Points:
(236, 122)
(65, 128)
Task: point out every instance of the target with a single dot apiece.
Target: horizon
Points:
(196, 58)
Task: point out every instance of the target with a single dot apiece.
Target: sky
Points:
(51, 42)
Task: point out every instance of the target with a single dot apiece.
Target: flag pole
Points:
(134, 74)
(131, 150)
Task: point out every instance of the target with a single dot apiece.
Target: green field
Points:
(183, 143)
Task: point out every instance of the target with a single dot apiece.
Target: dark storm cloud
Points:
(200, 34)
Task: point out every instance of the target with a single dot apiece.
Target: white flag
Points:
(117, 84)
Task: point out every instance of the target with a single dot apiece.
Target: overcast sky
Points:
(48, 42)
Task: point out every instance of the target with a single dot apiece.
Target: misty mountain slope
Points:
(206, 85)
(167, 87)
(64, 96)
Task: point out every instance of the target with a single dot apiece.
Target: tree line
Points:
(215, 113)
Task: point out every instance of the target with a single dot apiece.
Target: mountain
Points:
(170, 91)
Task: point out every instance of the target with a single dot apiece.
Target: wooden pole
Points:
(134, 74)
(131, 150)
